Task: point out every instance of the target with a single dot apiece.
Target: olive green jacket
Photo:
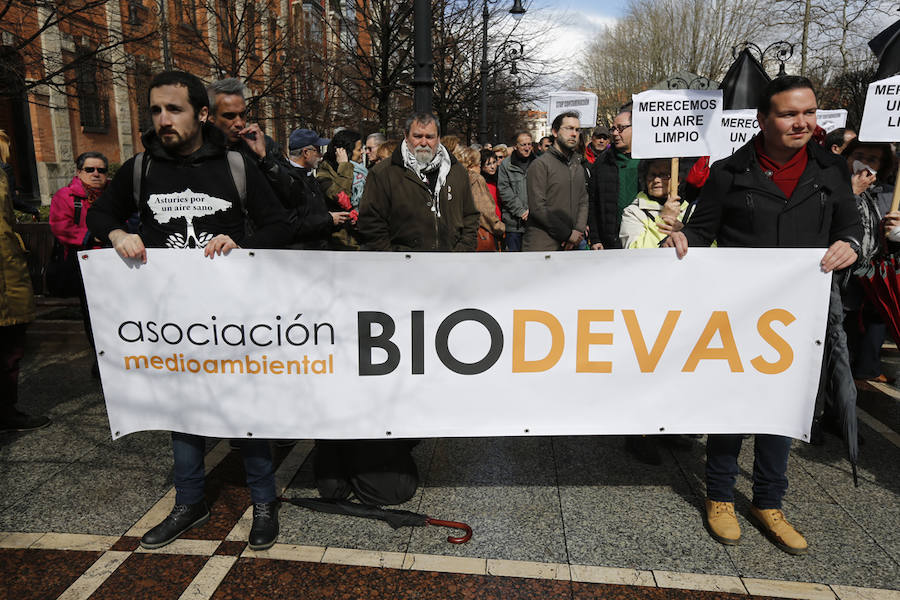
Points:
(16, 295)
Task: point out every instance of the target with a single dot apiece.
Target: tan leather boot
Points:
(722, 523)
(779, 531)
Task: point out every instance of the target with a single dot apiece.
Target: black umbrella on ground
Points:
(394, 517)
(743, 82)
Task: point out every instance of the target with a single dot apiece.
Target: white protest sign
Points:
(303, 344)
(881, 116)
(829, 120)
(738, 127)
(673, 123)
(583, 103)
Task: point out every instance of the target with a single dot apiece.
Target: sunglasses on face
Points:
(101, 170)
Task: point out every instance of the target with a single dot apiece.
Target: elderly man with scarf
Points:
(419, 199)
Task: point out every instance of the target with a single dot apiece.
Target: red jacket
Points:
(62, 214)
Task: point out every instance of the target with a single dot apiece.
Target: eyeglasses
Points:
(101, 170)
(664, 177)
(620, 128)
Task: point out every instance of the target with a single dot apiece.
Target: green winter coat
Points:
(16, 295)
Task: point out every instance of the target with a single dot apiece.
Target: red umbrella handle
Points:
(455, 525)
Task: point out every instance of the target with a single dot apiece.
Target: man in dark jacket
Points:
(512, 190)
(228, 112)
(185, 153)
(418, 199)
(421, 198)
(780, 190)
(613, 185)
(313, 223)
(557, 197)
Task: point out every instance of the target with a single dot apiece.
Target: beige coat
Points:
(16, 295)
(484, 202)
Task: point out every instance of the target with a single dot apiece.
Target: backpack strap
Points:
(238, 169)
(77, 215)
(137, 177)
(238, 173)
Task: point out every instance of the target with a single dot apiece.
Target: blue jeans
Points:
(188, 451)
(770, 458)
(514, 241)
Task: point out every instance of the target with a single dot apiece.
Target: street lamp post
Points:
(782, 50)
(423, 82)
(516, 11)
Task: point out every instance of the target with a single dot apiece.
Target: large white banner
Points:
(292, 344)
(881, 115)
(675, 123)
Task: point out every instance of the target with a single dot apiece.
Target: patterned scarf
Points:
(441, 161)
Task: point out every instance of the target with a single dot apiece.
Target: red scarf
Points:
(785, 176)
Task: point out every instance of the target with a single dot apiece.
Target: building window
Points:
(185, 11)
(92, 105)
(312, 22)
(142, 76)
(136, 12)
(250, 25)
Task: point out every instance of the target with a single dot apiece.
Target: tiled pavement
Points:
(555, 517)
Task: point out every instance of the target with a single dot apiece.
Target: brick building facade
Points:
(86, 74)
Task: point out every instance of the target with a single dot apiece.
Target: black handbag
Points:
(62, 275)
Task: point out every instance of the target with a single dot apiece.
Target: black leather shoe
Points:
(182, 518)
(19, 421)
(265, 525)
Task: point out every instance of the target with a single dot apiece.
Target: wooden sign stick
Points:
(673, 181)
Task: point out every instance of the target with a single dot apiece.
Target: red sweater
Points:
(784, 176)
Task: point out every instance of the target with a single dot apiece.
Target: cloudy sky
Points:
(566, 26)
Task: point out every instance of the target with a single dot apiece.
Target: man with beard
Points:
(512, 190)
(309, 211)
(557, 196)
(419, 199)
(779, 190)
(185, 152)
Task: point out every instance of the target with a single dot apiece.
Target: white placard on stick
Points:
(829, 120)
(583, 103)
(881, 116)
(738, 127)
(671, 123)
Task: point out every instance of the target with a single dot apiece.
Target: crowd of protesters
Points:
(573, 190)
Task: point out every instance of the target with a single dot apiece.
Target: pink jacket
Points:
(62, 214)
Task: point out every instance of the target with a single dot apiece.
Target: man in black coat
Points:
(313, 223)
(186, 154)
(780, 190)
(228, 112)
(612, 185)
